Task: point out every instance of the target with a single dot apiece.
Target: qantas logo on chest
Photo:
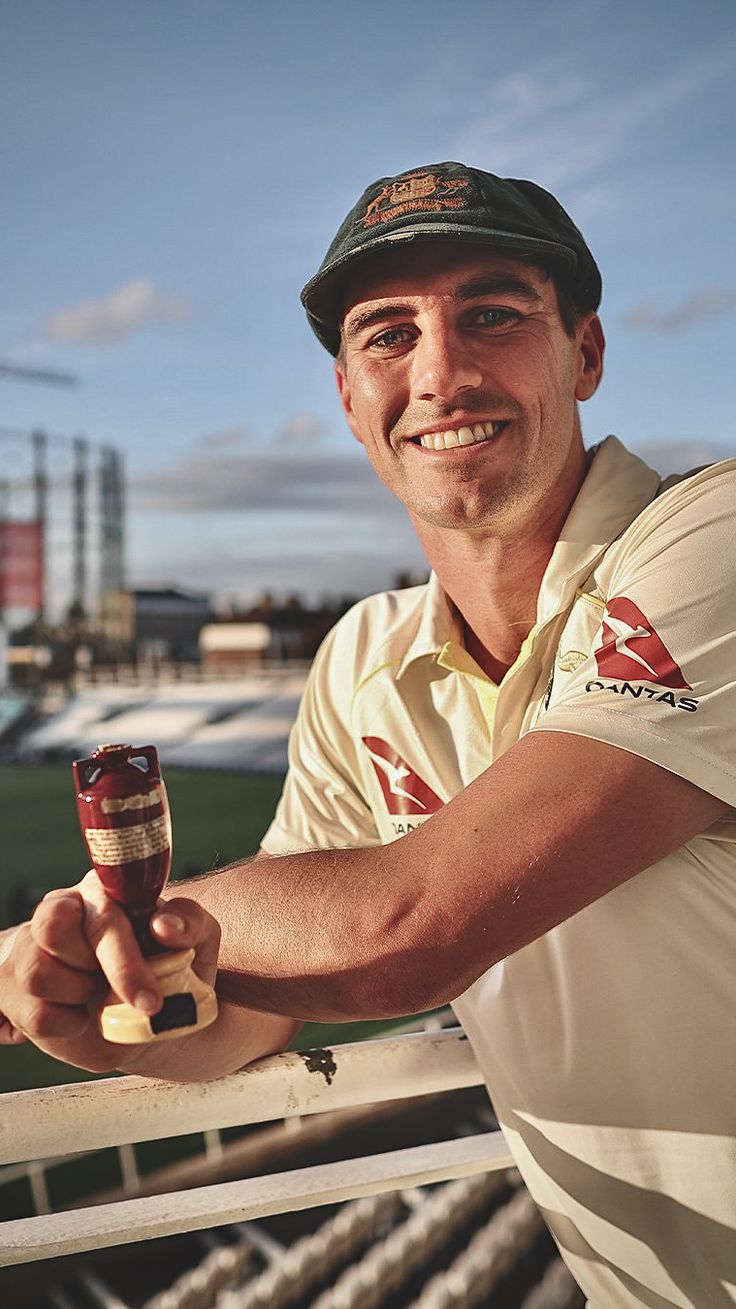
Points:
(404, 791)
(631, 649)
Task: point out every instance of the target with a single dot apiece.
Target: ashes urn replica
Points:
(124, 815)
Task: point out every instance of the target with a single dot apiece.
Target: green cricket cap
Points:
(450, 202)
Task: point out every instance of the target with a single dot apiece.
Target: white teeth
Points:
(463, 436)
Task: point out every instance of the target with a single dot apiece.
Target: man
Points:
(546, 727)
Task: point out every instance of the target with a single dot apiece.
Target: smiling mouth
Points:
(475, 435)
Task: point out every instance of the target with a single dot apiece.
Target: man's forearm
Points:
(236, 1038)
(338, 934)
(305, 936)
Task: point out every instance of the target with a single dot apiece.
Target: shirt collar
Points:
(617, 487)
(439, 623)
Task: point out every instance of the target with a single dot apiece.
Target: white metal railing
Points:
(118, 1111)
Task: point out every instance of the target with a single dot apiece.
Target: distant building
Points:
(158, 625)
(154, 627)
(234, 647)
(266, 634)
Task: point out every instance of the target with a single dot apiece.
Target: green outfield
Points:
(216, 817)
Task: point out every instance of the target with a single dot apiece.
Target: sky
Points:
(173, 171)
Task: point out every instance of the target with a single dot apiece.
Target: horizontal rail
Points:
(27, 1239)
(121, 1110)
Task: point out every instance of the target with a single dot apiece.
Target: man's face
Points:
(459, 379)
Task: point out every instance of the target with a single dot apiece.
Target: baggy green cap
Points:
(450, 202)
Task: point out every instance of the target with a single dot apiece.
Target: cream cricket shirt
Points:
(607, 1044)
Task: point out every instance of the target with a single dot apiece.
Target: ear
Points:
(343, 390)
(590, 360)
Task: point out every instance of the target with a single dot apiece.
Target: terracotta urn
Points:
(126, 824)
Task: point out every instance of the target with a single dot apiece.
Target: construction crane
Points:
(49, 376)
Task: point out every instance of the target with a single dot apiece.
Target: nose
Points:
(443, 364)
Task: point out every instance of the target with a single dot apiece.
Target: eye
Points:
(392, 338)
(492, 317)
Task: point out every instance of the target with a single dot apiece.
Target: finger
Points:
(41, 1020)
(42, 998)
(179, 923)
(10, 1035)
(43, 977)
(111, 937)
(58, 927)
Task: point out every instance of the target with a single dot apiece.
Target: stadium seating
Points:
(238, 724)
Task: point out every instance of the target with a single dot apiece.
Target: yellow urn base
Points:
(189, 1005)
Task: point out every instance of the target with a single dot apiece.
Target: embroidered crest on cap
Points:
(630, 648)
(412, 192)
(404, 791)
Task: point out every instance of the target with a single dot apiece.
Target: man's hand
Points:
(58, 968)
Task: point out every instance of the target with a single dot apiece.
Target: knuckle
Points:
(93, 894)
(53, 923)
(20, 941)
(46, 1021)
(10, 1034)
(33, 974)
(39, 1019)
(90, 882)
(87, 986)
(60, 893)
(103, 916)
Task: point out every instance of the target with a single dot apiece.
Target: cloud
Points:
(280, 516)
(707, 303)
(229, 438)
(302, 427)
(357, 568)
(682, 456)
(556, 123)
(116, 316)
(282, 476)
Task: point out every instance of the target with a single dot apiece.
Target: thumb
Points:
(179, 923)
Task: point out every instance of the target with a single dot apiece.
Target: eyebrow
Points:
(472, 290)
(500, 285)
(368, 317)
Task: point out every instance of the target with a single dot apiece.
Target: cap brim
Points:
(322, 296)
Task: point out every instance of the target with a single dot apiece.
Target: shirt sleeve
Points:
(659, 677)
(323, 805)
